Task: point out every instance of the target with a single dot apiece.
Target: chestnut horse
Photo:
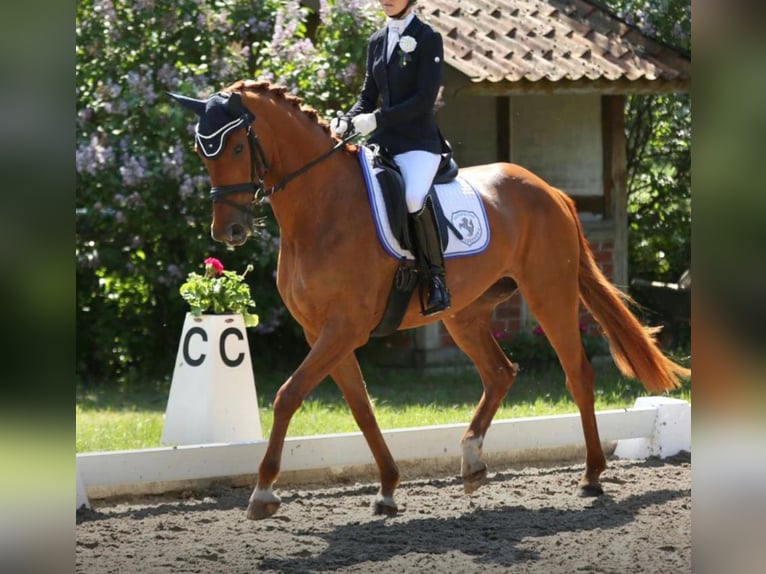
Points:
(334, 276)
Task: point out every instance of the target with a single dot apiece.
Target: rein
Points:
(259, 167)
(264, 193)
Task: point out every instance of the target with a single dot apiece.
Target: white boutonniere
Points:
(407, 45)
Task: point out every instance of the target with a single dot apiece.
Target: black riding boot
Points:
(430, 255)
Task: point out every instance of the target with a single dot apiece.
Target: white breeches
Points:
(418, 170)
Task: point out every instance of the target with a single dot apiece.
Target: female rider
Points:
(396, 106)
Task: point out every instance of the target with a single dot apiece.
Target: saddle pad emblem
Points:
(461, 205)
(467, 222)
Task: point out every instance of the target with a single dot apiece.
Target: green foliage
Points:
(533, 351)
(659, 186)
(219, 292)
(659, 153)
(320, 56)
(142, 211)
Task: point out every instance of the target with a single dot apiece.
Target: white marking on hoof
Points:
(471, 463)
(385, 505)
(472, 468)
(263, 503)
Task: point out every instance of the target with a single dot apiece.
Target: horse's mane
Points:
(281, 93)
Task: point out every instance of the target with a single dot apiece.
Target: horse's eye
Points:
(238, 149)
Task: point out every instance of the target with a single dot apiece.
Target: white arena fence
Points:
(654, 426)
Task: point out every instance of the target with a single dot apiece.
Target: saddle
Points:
(408, 276)
(392, 188)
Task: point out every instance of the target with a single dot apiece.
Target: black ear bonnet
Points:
(224, 113)
(219, 116)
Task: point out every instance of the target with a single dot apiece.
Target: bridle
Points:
(259, 167)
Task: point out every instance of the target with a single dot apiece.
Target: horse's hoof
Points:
(263, 503)
(475, 480)
(589, 490)
(385, 505)
(257, 510)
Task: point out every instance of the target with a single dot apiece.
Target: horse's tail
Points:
(632, 345)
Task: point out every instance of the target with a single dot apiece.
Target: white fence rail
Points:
(654, 426)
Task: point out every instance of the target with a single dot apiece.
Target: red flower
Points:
(213, 267)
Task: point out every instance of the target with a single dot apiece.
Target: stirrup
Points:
(438, 291)
(436, 309)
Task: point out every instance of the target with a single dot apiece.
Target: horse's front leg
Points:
(329, 349)
(348, 377)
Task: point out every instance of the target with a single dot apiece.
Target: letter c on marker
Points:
(194, 331)
(226, 360)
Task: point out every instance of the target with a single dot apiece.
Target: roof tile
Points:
(514, 40)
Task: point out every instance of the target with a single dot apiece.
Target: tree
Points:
(659, 152)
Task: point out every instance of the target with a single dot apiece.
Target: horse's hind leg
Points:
(348, 377)
(471, 330)
(555, 304)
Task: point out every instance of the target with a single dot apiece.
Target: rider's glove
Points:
(364, 124)
(339, 126)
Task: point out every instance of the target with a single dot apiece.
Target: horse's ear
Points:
(235, 104)
(237, 108)
(197, 106)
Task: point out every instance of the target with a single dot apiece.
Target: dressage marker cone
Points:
(82, 496)
(212, 395)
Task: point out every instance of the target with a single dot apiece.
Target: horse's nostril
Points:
(237, 232)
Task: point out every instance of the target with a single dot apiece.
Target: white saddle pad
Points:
(460, 203)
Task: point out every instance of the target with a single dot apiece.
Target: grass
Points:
(131, 416)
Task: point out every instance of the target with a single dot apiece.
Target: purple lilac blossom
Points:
(173, 163)
(266, 76)
(144, 5)
(360, 10)
(349, 73)
(174, 271)
(133, 170)
(288, 18)
(142, 85)
(167, 75)
(93, 156)
(134, 200)
(190, 184)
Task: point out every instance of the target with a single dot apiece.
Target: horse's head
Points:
(234, 159)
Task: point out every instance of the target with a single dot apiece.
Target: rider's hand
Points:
(339, 126)
(364, 124)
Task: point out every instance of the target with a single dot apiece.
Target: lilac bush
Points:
(142, 208)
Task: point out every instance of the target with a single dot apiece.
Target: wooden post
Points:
(616, 181)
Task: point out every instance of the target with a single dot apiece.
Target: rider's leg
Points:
(418, 169)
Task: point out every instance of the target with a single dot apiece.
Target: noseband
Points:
(259, 167)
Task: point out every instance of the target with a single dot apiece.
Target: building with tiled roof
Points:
(543, 45)
(542, 83)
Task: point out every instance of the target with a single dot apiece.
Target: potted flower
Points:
(212, 395)
(219, 292)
